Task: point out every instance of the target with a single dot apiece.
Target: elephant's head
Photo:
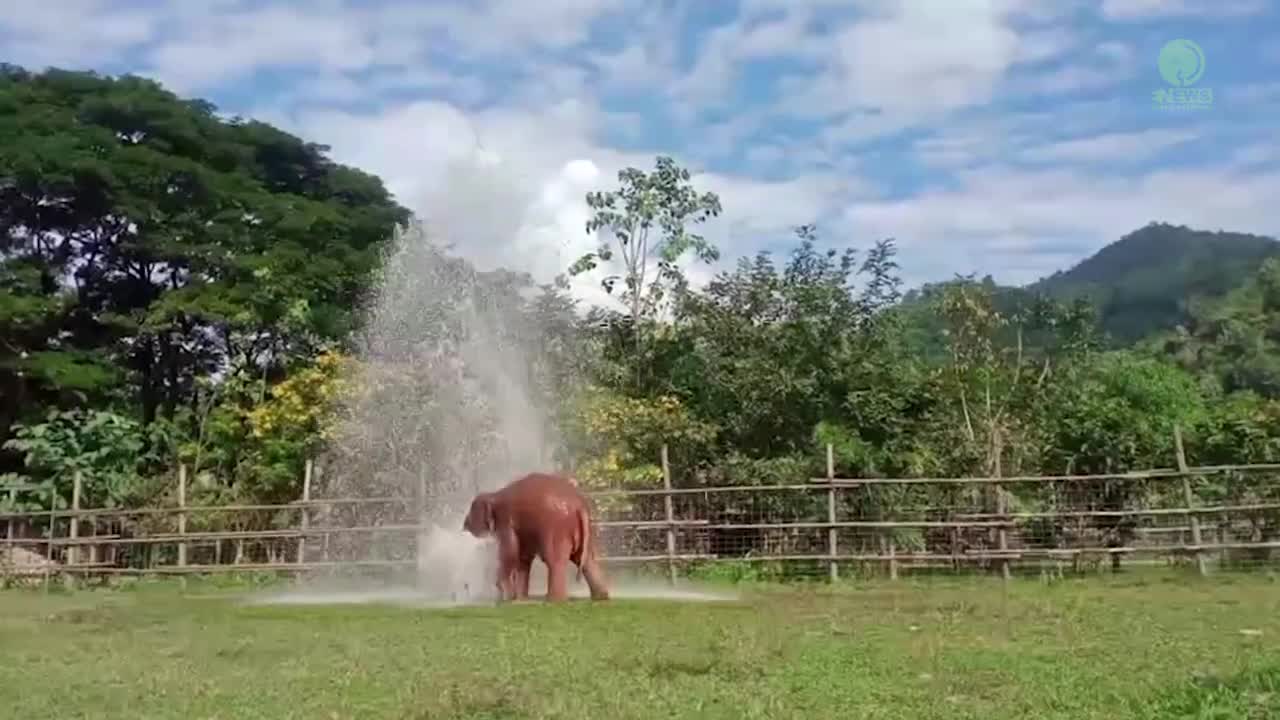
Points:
(480, 518)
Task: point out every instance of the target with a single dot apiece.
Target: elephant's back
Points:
(546, 484)
(543, 492)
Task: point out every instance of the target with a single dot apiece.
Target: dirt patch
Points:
(21, 560)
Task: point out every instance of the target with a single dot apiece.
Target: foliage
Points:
(767, 353)
(997, 384)
(1233, 343)
(147, 245)
(647, 217)
(302, 404)
(1240, 428)
(1117, 413)
(106, 449)
(619, 439)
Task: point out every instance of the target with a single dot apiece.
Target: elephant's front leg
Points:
(508, 564)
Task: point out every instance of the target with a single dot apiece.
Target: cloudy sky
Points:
(1006, 136)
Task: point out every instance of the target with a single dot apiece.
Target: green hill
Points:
(1142, 282)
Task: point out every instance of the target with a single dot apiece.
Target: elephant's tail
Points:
(584, 523)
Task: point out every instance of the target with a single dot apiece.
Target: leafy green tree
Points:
(647, 218)
(109, 452)
(995, 379)
(1114, 414)
(770, 352)
(1234, 343)
(147, 245)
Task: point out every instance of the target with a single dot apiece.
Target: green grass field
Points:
(1151, 646)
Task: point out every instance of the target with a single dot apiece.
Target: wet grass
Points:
(1151, 646)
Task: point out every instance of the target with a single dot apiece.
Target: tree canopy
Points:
(152, 255)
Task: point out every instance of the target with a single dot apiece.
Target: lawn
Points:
(1139, 646)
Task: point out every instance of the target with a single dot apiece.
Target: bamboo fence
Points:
(820, 527)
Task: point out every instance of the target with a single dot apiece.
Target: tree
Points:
(769, 352)
(647, 218)
(146, 244)
(1233, 343)
(995, 377)
(1113, 414)
(108, 451)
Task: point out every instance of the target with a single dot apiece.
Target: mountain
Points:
(1142, 282)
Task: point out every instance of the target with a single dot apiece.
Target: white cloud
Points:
(907, 64)
(1004, 220)
(1127, 147)
(959, 51)
(1256, 156)
(1047, 44)
(197, 46)
(228, 46)
(1147, 9)
(72, 33)
(1105, 65)
(725, 48)
(976, 143)
(504, 25)
(1253, 93)
(507, 187)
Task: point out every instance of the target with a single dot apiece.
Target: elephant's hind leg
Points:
(556, 556)
(522, 577)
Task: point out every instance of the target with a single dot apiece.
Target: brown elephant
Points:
(542, 515)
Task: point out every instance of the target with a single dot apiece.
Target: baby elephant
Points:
(541, 515)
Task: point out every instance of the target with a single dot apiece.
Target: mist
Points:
(442, 402)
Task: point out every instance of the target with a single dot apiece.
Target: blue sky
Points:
(1013, 137)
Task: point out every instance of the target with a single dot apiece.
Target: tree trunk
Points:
(146, 364)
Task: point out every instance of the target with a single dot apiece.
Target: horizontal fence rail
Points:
(826, 526)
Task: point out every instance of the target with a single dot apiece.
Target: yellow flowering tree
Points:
(302, 407)
(289, 422)
(618, 440)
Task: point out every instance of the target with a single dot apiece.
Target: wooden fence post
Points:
(669, 508)
(53, 525)
(8, 534)
(1196, 538)
(304, 521)
(833, 568)
(73, 551)
(1002, 509)
(182, 514)
(93, 534)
